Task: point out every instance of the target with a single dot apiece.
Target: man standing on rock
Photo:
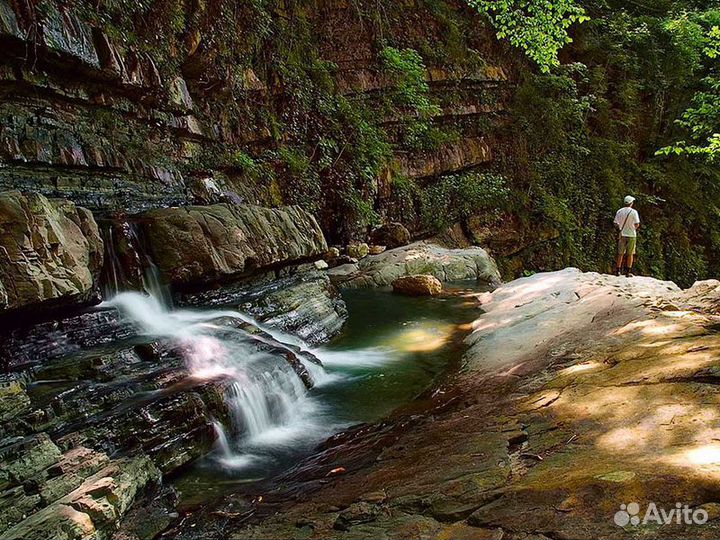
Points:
(627, 221)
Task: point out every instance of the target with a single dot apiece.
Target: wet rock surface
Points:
(417, 258)
(304, 303)
(606, 397)
(93, 411)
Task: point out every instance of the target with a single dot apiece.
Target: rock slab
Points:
(51, 249)
(202, 244)
(417, 258)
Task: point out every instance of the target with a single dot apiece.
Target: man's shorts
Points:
(626, 245)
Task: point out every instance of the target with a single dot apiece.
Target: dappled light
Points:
(358, 269)
(577, 368)
(425, 337)
(704, 455)
(523, 291)
(648, 403)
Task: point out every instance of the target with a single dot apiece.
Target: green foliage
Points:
(245, 163)
(586, 135)
(165, 29)
(582, 134)
(411, 98)
(538, 27)
(456, 197)
(702, 119)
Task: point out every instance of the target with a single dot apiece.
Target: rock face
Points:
(64, 423)
(199, 244)
(417, 258)
(580, 392)
(417, 285)
(93, 509)
(80, 391)
(90, 115)
(391, 235)
(52, 252)
(305, 304)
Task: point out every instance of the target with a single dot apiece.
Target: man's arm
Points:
(617, 219)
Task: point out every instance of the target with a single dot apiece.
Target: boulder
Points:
(417, 258)
(391, 235)
(358, 251)
(417, 285)
(202, 244)
(377, 250)
(332, 253)
(52, 250)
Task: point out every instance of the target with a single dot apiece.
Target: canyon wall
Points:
(94, 112)
(359, 113)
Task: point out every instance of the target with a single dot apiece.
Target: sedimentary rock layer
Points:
(51, 250)
(199, 244)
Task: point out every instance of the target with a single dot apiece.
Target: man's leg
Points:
(630, 256)
(620, 256)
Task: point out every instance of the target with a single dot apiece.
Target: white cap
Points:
(629, 199)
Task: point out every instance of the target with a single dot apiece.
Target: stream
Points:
(391, 350)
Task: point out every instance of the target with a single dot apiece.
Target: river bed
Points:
(392, 349)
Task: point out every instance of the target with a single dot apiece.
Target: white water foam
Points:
(269, 404)
(359, 358)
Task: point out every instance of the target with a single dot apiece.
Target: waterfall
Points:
(269, 404)
(127, 265)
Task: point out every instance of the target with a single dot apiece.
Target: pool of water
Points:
(391, 350)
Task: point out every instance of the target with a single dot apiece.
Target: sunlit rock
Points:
(417, 285)
(53, 251)
(228, 240)
(417, 258)
(358, 251)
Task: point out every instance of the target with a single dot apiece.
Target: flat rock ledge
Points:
(417, 258)
(94, 508)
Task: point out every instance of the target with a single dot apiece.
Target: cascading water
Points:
(269, 403)
(127, 265)
(389, 352)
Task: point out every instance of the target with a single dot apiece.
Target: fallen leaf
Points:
(338, 470)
